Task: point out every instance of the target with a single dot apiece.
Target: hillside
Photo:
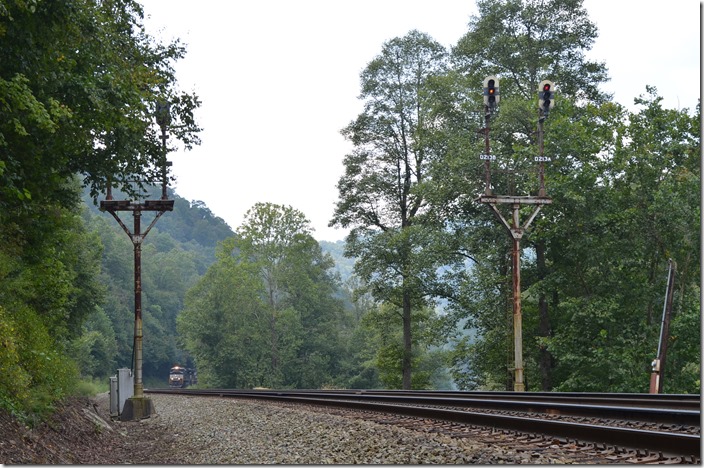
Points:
(343, 265)
(191, 224)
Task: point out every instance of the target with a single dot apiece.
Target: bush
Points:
(89, 388)
(34, 373)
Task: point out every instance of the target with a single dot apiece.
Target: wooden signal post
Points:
(138, 407)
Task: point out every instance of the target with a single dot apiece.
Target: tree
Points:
(268, 305)
(379, 194)
(384, 346)
(267, 237)
(95, 349)
(609, 265)
(222, 324)
(80, 82)
(48, 287)
(525, 41)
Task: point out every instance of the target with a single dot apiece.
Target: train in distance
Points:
(182, 377)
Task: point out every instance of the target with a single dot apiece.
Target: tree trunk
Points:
(406, 364)
(544, 330)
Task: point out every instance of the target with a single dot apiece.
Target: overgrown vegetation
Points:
(423, 301)
(79, 82)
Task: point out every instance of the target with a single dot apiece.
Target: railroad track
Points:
(662, 427)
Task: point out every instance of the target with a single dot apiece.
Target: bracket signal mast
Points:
(138, 406)
(514, 227)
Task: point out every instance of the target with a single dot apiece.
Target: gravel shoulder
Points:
(210, 430)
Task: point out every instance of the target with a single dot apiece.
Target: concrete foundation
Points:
(137, 408)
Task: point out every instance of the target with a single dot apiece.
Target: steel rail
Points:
(630, 413)
(669, 401)
(665, 442)
(645, 400)
(574, 407)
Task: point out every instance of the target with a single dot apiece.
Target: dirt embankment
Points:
(79, 432)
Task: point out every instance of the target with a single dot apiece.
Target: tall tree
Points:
(379, 193)
(223, 324)
(635, 208)
(267, 237)
(526, 41)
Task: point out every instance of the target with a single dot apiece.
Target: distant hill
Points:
(343, 264)
(191, 225)
(194, 227)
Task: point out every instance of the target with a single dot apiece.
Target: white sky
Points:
(279, 79)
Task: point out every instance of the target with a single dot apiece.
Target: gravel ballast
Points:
(196, 430)
(213, 430)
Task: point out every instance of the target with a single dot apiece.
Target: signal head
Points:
(546, 95)
(491, 91)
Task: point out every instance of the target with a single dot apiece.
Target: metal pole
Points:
(137, 241)
(516, 231)
(487, 151)
(138, 407)
(516, 234)
(163, 167)
(163, 119)
(656, 379)
(541, 149)
(109, 189)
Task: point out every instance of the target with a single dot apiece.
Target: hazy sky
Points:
(279, 79)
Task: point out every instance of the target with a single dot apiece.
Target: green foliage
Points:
(14, 378)
(35, 371)
(265, 314)
(221, 324)
(683, 364)
(172, 262)
(78, 86)
(641, 212)
(96, 348)
(90, 388)
(47, 288)
(381, 194)
(383, 346)
(525, 41)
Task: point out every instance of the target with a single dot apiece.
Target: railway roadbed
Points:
(215, 430)
(660, 428)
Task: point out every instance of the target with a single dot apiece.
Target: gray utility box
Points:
(121, 388)
(114, 410)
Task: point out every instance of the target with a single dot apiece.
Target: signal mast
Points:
(138, 406)
(515, 228)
